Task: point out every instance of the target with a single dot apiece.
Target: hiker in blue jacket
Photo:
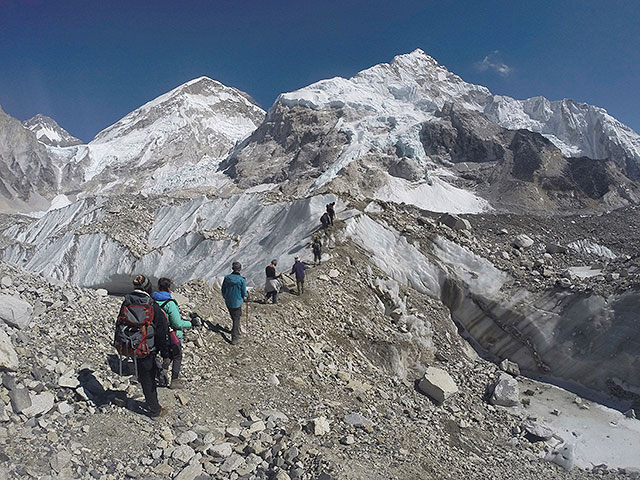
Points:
(176, 324)
(299, 268)
(234, 291)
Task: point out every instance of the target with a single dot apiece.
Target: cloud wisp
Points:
(494, 63)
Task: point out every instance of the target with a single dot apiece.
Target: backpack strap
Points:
(167, 301)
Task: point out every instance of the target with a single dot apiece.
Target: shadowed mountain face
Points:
(27, 174)
(521, 170)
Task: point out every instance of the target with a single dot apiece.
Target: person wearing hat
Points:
(299, 268)
(272, 285)
(234, 291)
(146, 366)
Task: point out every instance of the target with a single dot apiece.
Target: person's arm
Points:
(161, 331)
(225, 286)
(175, 320)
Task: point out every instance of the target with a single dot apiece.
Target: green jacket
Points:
(170, 307)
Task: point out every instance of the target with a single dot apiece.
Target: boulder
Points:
(69, 380)
(510, 367)
(8, 355)
(40, 404)
(563, 456)
(232, 463)
(186, 437)
(454, 222)
(537, 431)
(553, 248)
(20, 399)
(15, 312)
(522, 241)
(505, 391)
(437, 384)
(101, 292)
(320, 426)
(6, 281)
(183, 453)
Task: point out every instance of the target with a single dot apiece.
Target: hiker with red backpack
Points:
(170, 307)
(141, 333)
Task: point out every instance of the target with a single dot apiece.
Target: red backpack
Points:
(134, 336)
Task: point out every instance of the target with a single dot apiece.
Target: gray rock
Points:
(184, 453)
(320, 426)
(554, 248)
(357, 420)
(564, 282)
(437, 384)
(232, 463)
(9, 381)
(64, 408)
(454, 222)
(60, 460)
(8, 355)
(6, 281)
(522, 241)
(101, 292)
(190, 472)
(15, 312)
(4, 417)
(186, 437)
(564, 456)
(69, 380)
(510, 367)
(40, 404)
(537, 430)
(20, 399)
(222, 450)
(505, 391)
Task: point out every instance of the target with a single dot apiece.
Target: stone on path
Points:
(8, 355)
(510, 367)
(20, 399)
(6, 281)
(320, 426)
(505, 391)
(15, 312)
(454, 222)
(357, 420)
(522, 241)
(437, 384)
(222, 450)
(537, 430)
(564, 456)
(40, 404)
(101, 292)
(190, 472)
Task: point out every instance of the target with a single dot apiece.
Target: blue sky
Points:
(87, 63)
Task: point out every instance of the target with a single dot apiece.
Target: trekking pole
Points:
(246, 315)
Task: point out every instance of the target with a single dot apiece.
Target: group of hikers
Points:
(149, 323)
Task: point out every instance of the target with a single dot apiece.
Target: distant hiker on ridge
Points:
(141, 332)
(170, 306)
(234, 291)
(299, 268)
(325, 219)
(316, 246)
(272, 285)
(331, 211)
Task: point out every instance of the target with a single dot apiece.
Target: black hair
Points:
(164, 284)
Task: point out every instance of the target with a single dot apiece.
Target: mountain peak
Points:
(48, 131)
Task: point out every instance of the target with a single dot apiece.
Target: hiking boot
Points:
(235, 340)
(163, 411)
(176, 383)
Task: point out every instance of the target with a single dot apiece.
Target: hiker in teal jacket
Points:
(234, 291)
(170, 307)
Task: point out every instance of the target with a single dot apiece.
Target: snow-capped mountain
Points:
(175, 141)
(376, 119)
(49, 132)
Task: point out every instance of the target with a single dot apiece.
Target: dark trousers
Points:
(317, 256)
(147, 371)
(236, 314)
(273, 295)
(300, 285)
(176, 360)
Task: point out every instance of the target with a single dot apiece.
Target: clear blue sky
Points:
(87, 63)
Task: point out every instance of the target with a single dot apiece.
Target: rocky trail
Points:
(323, 385)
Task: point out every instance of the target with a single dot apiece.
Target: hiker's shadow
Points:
(219, 329)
